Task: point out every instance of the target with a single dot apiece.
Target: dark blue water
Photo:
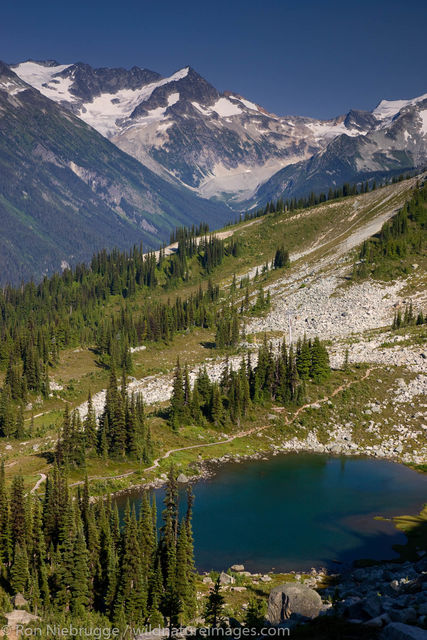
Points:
(299, 510)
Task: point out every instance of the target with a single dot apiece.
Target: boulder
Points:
(238, 567)
(17, 616)
(224, 578)
(19, 601)
(400, 631)
(407, 616)
(373, 606)
(292, 598)
(182, 478)
(379, 622)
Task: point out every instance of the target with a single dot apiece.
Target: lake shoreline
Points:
(208, 468)
(364, 523)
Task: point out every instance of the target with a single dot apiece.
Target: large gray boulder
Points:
(224, 578)
(292, 598)
(18, 617)
(400, 631)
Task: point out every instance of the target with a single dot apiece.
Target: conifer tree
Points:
(181, 580)
(319, 361)
(89, 424)
(177, 411)
(17, 511)
(132, 588)
(214, 604)
(19, 430)
(5, 532)
(156, 595)
(19, 574)
(255, 615)
(80, 575)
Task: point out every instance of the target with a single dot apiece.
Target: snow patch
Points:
(45, 80)
(248, 104)
(105, 110)
(387, 109)
(329, 130)
(223, 107)
(423, 116)
(173, 99)
(206, 112)
(12, 88)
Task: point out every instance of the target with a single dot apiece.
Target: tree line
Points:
(282, 205)
(37, 322)
(402, 236)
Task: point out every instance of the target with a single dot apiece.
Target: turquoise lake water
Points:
(300, 510)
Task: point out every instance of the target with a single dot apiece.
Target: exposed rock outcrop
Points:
(288, 599)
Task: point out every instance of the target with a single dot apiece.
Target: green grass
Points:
(415, 529)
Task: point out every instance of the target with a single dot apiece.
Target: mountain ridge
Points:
(66, 191)
(216, 143)
(220, 144)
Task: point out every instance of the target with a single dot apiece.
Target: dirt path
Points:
(240, 434)
(39, 482)
(342, 387)
(221, 235)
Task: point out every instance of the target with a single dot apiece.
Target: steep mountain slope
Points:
(225, 146)
(397, 143)
(222, 145)
(66, 191)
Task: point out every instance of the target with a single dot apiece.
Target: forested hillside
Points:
(67, 191)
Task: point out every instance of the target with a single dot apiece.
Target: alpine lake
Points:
(296, 511)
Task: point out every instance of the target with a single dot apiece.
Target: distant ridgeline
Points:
(401, 241)
(347, 190)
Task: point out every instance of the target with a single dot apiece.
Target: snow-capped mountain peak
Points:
(222, 144)
(107, 111)
(387, 109)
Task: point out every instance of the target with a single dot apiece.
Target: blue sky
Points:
(315, 58)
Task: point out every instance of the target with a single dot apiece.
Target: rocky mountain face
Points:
(397, 142)
(67, 191)
(225, 147)
(219, 144)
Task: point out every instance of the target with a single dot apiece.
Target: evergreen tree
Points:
(132, 588)
(80, 593)
(5, 532)
(17, 511)
(281, 258)
(19, 574)
(214, 604)
(177, 411)
(255, 615)
(90, 427)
